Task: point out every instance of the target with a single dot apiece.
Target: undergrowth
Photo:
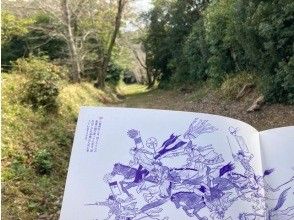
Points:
(36, 146)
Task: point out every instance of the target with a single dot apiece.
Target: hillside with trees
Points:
(227, 57)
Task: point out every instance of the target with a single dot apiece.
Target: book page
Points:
(154, 164)
(277, 146)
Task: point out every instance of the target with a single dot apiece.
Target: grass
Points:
(132, 89)
(199, 91)
(36, 147)
(234, 83)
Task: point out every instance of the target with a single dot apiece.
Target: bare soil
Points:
(210, 101)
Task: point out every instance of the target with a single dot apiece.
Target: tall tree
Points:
(101, 75)
(66, 16)
(170, 23)
(74, 58)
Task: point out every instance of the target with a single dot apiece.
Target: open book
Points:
(131, 164)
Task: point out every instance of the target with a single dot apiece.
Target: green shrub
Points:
(13, 46)
(18, 170)
(12, 50)
(19, 41)
(195, 55)
(55, 46)
(13, 26)
(220, 39)
(42, 86)
(113, 74)
(280, 87)
(43, 162)
(234, 83)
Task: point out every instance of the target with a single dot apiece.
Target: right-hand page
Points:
(277, 148)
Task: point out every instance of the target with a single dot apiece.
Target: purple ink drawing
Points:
(205, 183)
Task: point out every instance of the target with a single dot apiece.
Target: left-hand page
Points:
(153, 164)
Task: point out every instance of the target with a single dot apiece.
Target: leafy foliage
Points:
(170, 24)
(24, 41)
(195, 55)
(280, 86)
(12, 50)
(44, 43)
(114, 74)
(13, 26)
(41, 88)
(275, 29)
(12, 44)
(221, 38)
(43, 161)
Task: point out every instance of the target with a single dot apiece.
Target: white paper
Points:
(211, 177)
(277, 146)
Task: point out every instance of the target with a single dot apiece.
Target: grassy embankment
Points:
(36, 146)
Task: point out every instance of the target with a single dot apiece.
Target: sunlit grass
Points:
(131, 89)
(73, 96)
(27, 132)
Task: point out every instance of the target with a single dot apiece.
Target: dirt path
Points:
(271, 116)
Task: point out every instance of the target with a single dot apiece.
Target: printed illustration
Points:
(204, 183)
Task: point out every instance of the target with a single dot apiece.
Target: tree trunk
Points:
(74, 58)
(101, 76)
(150, 78)
(100, 83)
(149, 73)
